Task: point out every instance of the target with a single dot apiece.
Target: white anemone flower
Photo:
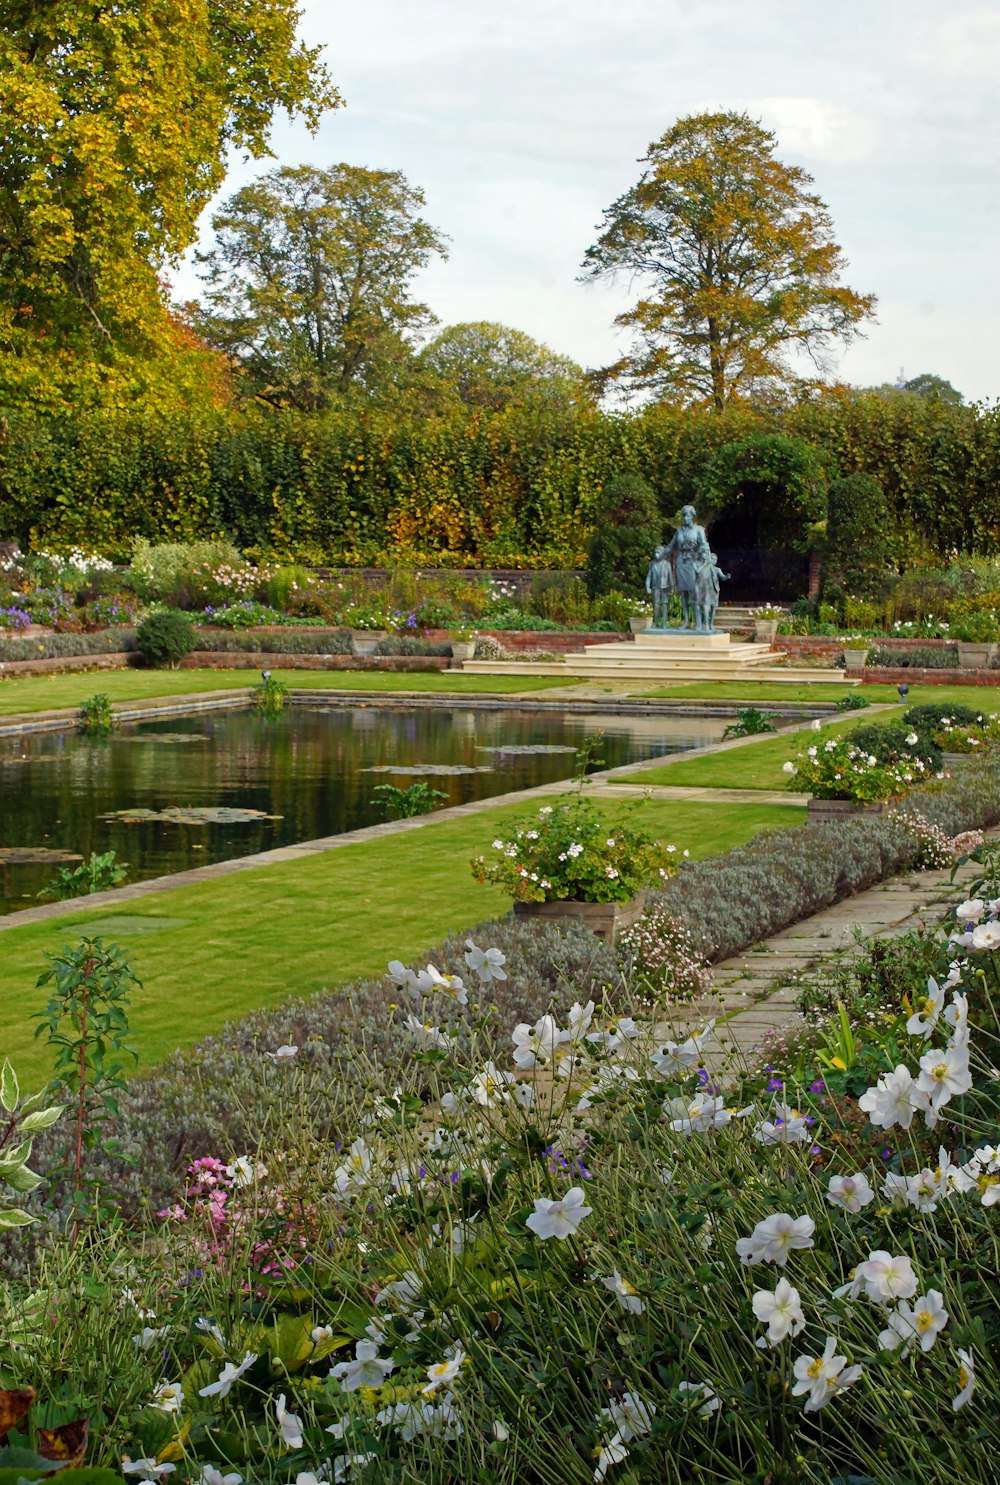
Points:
(286, 1053)
(887, 1277)
(367, 1369)
(673, 1057)
(918, 1324)
(443, 1372)
(966, 1380)
(491, 1086)
(788, 1127)
(452, 985)
(775, 1237)
(702, 1396)
(146, 1469)
(613, 1451)
(626, 1295)
(535, 1046)
(944, 1074)
(488, 964)
(147, 1337)
(698, 1115)
(353, 1175)
(289, 1426)
(229, 1374)
(780, 1311)
(243, 1171)
(631, 1417)
(168, 1397)
(928, 1011)
(401, 1294)
(212, 1476)
(894, 1099)
(427, 1037)
(558, 1219)
(853, 1193)
(820, 1378)
(957, 1017)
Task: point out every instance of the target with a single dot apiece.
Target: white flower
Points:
(288, 1425)
(920, 1323)
(491, 1086)
(558, 1219)
(146, 1469)
(957, 1017)
(986, 936)
(789, 767)
(774, 1238)
(449, 984)
(320, 1334)
(208, 1327)
(353, 1174)
(671, 1057)
(148, 1338)
(943, 1074)
(443, 1372)
(702, 1394)
(971, 910)
(211, 1476)
(613, 1451)
(822, 1377)
(631, 1418)
(488, 964)
(536, 1045)
(286, 1053)
(787, 1128)
(243, 1172)
(623, 1291)
(781, 1311)
(426, 1037)
(966, 1380)
(925, 1017)
(367, 1369)
(228, 1376)
(816, 726)
(168, 1397)
(698, 1115)
(402, 1294)
(894, 1100)
(343, 1468)
(886, 1277)
(910, 739)
(853, 1193)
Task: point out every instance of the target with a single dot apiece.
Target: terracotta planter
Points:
(463, 649)
(366, 641)
(844, 809)
(854, 661)
(975, 656)
(639, 623)
(765, 631)
(605, 919)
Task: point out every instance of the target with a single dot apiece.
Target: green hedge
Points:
(518, 488)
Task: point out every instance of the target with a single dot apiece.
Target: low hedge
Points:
(63, 646)
(278, 641)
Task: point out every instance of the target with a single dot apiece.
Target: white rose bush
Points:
(601, 1255)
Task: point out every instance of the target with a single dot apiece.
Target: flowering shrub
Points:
(241, 615)
(659, 952)
(957, 737)
(573, 851)
(13, 617)
(837, 769)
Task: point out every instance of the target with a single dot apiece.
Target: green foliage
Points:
(86, 1025)
(629, 527)
(23, 1120)
(98, 874)
(770, 489)
(96, 715)
(270, 695)
(748, 722)
(887, 741)
(491, 366)
(165, 571)
(164, 638)
(853, 701)
(403, 804)
(858, 531)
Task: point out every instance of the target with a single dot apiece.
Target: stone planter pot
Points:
(463, 649)
(366, 641)
(605, 919)
(854, 661)
(765, 631)
(639, 623)
(975, 656)
(844, 809)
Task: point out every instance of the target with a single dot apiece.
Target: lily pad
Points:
(196, 814)
(434, 769)
(528, 748)
(35, 856)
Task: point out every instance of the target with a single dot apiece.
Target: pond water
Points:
(314, 771)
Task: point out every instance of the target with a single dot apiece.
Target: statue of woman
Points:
(689, 548)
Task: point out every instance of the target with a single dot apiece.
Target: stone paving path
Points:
(757, 989)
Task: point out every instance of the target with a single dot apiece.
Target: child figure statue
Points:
(660, 585)
(707, 592)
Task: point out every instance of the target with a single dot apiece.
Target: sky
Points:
(522, 120)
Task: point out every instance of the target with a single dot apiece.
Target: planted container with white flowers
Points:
(844, 779)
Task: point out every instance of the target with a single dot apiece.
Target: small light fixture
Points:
(265, 676)
(903, 690)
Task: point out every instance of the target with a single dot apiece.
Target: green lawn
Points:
(210, 953)
(755, 692)
(46, 693)
(755, 766)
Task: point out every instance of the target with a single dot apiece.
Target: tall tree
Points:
(491, 366)
(738, 260)
(308, 287)
(116, 120)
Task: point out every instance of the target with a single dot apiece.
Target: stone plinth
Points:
(676, 641)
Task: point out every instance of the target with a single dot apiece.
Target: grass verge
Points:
(754, 692)
(212, 952)
(22, 694)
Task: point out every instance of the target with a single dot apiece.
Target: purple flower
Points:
(774, 1085)
(818, 1086)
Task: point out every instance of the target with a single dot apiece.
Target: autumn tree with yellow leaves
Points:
(737, 262)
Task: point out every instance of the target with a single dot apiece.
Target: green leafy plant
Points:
(403, 804)
(748, 722)
(86, 1025)
(96, 716)
(269, 696)
(23, 1120)
(164, 638)
(839, 770)
(853, 701)
(98, 874)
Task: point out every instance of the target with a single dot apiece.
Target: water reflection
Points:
(306, 767)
